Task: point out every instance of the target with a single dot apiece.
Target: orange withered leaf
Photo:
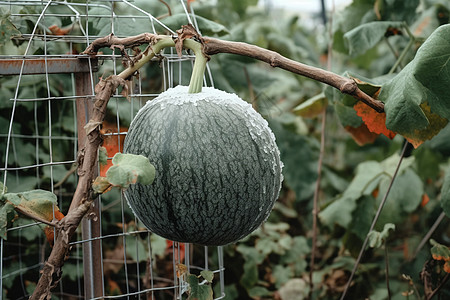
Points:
(375, 121)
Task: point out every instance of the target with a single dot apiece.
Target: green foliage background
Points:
(273, 262)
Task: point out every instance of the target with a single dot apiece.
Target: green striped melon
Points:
(218, 169)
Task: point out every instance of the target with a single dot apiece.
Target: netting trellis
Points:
(46, 87)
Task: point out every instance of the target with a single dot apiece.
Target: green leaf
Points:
(402, 96)
(445, 193)
(366, 36)
(432, 69)
(7, 29)
(198, 291)
(129, 169)
(376, 239)
(370, 175)
(365, 181)
(257, 292)
(439, 251)
(282, 274)
(207, 275)
(338, 212)
(417, 99)
(362, 217)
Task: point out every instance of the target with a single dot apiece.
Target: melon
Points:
(218, 168)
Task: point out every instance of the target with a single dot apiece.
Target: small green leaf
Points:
(207, 275)
(312, 107)
(129, 169)
(101, 185)
(366, 36)
(439, 251)
(432, 69)
(102, 156)
(376, 239)
(198, 291)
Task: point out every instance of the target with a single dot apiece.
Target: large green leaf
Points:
(417, 99)
(198, 291)
(432, 69)
(372, 175)
(366, 36)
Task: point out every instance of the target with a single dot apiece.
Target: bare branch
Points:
(82, 199)
(214, 46)
(344, 84)
(111, 40)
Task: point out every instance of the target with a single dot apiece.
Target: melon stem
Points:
(198, 71)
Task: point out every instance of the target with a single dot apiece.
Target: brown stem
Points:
(168, 7)
(111, 40)
(344, 84)
(82, 199)
(438, 288)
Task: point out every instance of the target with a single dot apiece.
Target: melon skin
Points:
(218, 169)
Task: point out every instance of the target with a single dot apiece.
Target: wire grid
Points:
(48, 87)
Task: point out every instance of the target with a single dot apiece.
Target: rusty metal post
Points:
(91, 224)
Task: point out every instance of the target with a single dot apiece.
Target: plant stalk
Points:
(374, 222)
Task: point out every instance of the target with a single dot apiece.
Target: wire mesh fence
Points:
(46, 85)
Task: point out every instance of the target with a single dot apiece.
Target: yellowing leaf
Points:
(101, 185)
(35, 203)
(312, 107)
(375, 121)
(436, 123)
(441, 252)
